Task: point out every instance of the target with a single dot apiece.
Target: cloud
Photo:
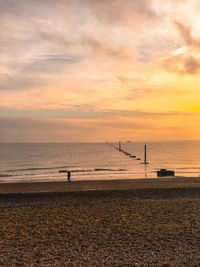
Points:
(102, 47)
(18, 82)
(131, 80)
(85, 120)
(55, 37)
(185, 32)
(135, 124)
(185, 59)
(183, 65)
(23, 8)
(136, 93)
(39, 123)
(51, 63)
(119, 12)
(41, 65)
(191, 65)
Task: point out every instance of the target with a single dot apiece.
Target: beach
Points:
(101, 223)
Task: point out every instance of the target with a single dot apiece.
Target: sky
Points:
(96, 71)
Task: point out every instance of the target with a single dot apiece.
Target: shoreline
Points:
(98, 185)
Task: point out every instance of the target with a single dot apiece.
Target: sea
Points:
(96, 161)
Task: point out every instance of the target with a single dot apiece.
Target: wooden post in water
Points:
(145, 154)
(120, 147)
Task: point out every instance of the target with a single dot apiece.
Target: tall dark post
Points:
(145, 154)
(120, 147)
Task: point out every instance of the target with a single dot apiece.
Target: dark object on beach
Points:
(68, 176)
(165, 172)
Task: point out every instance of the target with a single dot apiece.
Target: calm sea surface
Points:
(38, 162)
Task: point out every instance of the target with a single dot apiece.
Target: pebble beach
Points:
(102, 223)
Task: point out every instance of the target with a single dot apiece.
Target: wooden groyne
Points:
(121, 150)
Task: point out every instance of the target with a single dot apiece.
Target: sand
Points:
(112, 223)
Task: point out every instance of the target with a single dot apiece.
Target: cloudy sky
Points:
(90, 70)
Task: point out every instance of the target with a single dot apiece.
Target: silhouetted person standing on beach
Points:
(68, 176)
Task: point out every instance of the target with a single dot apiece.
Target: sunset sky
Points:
(91, 70)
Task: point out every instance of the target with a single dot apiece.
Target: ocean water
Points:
(95, 161)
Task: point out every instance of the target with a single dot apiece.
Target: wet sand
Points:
(105, 223)
(74, 186)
